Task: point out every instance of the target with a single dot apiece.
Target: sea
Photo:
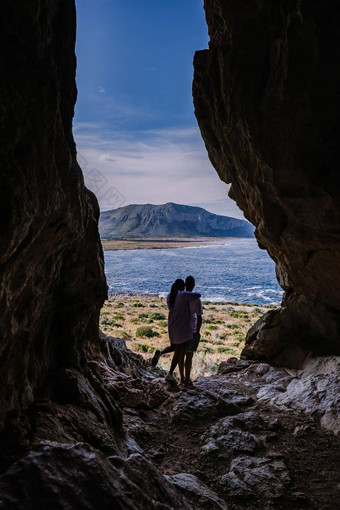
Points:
(234, 270)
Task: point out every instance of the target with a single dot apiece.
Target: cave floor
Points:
(296, 461)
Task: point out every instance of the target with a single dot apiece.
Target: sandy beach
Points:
(149, 244)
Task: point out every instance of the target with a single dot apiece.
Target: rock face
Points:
(52, 279)
(169, 220)
(267, 103)
(85, 423)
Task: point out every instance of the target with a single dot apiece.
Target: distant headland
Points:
(167, 225)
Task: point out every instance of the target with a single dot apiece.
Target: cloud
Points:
(150, 166)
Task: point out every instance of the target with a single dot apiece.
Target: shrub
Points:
(115, 324)
(137, 347)
(146, 331)
(163, 324)
(206, 349)
(228, 350)
(137, 304)
(118, 316)
(156, 316)
(121, 334)
(134, 320)
(143, 315)
(211, 326)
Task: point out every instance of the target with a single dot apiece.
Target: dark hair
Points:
(176, 286)
(190, 280)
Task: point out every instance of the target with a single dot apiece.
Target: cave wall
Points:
(267, 101)
(51, 261)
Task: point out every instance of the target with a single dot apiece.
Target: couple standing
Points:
(184, 324)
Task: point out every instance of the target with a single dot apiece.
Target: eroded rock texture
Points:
(267, 103)
(62, 440)
(52, 280)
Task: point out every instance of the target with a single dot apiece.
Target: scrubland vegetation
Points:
(142, 322)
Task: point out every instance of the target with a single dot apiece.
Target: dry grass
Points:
(142, 322)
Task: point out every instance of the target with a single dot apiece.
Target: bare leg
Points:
(166, 350)
(181, 366)
(188, 365)
(158, 354)
(178, 354)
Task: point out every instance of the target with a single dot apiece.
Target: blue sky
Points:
(136, 133)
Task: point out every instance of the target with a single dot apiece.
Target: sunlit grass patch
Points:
(222, 336)
(138, 347)
(121, 334)
(157, 316)
(146, 331)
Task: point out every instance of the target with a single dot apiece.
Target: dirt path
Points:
(292, 462)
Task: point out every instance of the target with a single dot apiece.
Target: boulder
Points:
(55, 475)
(267, 477)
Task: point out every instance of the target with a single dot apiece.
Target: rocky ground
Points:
(250, 437)
(246, 438)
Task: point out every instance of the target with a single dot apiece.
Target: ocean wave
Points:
(241, 273)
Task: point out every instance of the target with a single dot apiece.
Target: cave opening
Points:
(85, 422)
(138, 143)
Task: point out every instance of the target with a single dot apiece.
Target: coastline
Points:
(140, 296)
(152, 244)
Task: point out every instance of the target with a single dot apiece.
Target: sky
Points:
(137, 137)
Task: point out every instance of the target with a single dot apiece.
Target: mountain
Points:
(168, 221)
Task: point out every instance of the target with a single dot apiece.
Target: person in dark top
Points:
(182, 323)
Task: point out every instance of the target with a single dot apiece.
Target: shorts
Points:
(191, 345)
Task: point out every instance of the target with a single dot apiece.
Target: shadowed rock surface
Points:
(52, 278)
(267, 103)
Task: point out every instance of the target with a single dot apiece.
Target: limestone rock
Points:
(56, 475)
(267, 103)
(315, 390)
(203, 496)
(203, 405)
(232, 365)
(265, 476)
(246, 432)
(52, 277)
